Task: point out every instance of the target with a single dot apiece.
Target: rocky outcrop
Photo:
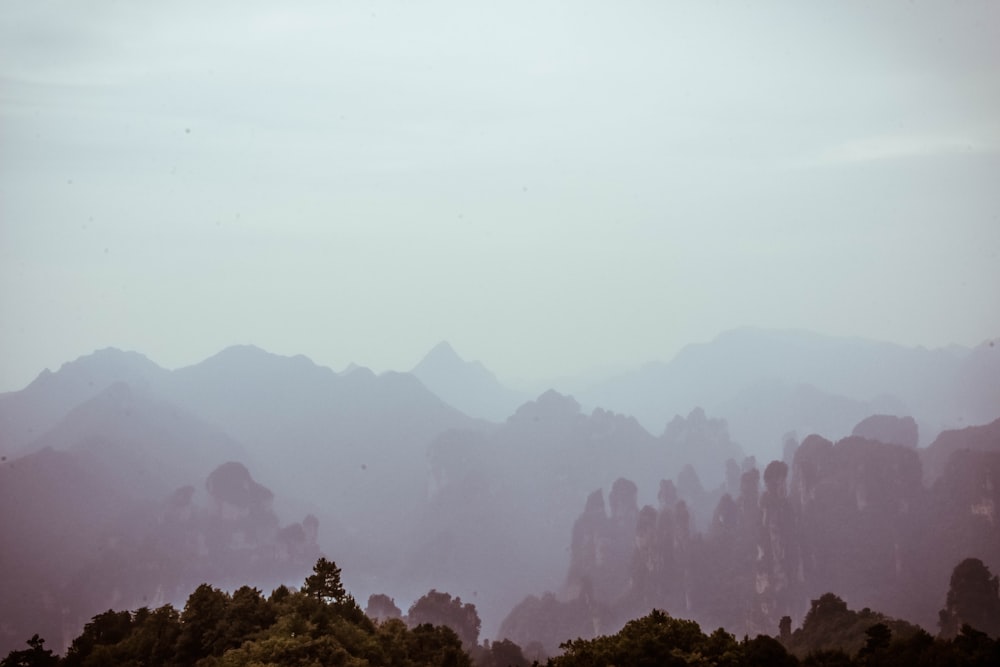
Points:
(858, 503)
(779, 578)
(700, 442)
(889, 429)
(985, 438)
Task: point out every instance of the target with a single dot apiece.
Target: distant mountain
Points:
(414, 494)
(27, 414)
(725, 376)
(853, 516)
(505, 499)
(976, 387)
(350, 448)
(762, 413)
(889, 429)
(341, 441)
(467, 385)
(81, 535)
(935, 458)
(148, 445)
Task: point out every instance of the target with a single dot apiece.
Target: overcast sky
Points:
(549, 186)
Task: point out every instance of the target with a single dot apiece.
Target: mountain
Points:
(339, 441)
(148, 445)
(726, 377)
(976, 387)
(504, 500)
(467, 385)
(26, 414)
(349, 448)
(80, 538)
(855, 516)
(935, 458)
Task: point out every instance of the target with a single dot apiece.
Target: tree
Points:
(324, 584)
(972, 599)
(202, 624)
(35, 656)
(248, 613)
(879, 636)
(503, 653)
(104, 629)
(655, 640)
(764, 651)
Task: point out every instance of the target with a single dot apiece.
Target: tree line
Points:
(322, 624)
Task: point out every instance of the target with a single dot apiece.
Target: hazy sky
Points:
(549, 186)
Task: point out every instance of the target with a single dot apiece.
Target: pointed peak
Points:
(440, 356)
(443, 349)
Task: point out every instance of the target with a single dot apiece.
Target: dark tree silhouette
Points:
(324, 583)
(36, 655)
(972, 600)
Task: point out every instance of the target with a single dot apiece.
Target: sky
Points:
(551, 187)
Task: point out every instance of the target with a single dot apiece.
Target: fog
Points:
(553, 189)
(570, 310)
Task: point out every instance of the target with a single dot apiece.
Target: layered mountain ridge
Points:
(413, 492)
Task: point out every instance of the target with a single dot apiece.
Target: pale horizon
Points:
(551, 189)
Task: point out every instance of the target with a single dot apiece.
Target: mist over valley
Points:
(127, 485)
(396, 334)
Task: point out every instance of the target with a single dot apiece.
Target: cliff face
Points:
(853, 517)
(858, 501)
(779, 577)
(889, 429)
(91, 546)
(602, 544)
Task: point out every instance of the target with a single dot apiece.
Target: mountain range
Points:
(437, 478)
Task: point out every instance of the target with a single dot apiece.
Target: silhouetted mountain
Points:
(878, 377)
(976, 388)
(985, 438)
(701, 443)
(27, 414)
(80, 538)
(350, 448)
(755, 412)
(351, 445)
(506, 499)
(148, 445)
(852, 516)
(467, 385)
(888, 428)
(415, 495)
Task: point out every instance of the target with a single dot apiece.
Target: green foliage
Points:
(878, 638)
(36, 655)
(203, 624)
(324, 583)
(299, 629)
(104, 629)
(830, 626)
(503, 653)
(654, 640)
(973, 599)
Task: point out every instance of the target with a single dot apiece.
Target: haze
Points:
(550, 187)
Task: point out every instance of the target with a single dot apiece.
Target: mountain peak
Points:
(92, 372)
(466, 385)
(441, 355)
